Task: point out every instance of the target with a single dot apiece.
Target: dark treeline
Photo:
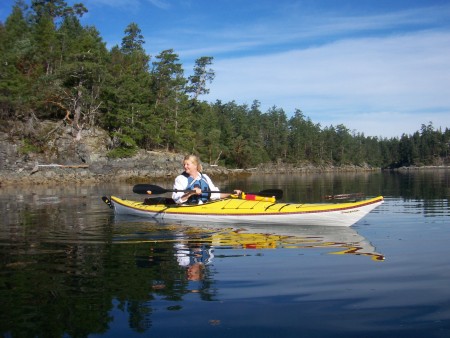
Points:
(53, 68)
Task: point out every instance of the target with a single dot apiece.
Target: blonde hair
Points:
(194, 159)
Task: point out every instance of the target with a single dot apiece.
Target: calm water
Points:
(70, 268)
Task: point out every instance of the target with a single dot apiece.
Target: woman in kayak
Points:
(200, 184)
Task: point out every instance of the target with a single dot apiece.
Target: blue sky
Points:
(378, 67)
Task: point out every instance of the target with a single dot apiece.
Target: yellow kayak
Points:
(235, 210)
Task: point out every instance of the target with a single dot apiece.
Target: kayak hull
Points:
(233, 210)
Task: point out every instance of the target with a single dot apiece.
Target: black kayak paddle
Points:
(150, 189)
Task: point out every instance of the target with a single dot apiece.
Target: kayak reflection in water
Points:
(193, 179)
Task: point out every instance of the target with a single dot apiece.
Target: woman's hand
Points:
(194, 191)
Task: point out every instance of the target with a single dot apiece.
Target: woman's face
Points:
(190, 167)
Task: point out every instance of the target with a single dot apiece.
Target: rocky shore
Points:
(83, 160)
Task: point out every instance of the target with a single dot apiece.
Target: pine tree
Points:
(168, 88)
(202, 75)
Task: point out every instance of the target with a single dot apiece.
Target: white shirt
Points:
(181, 183)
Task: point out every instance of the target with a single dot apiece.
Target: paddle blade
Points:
(108, 202)
(277, 193)
(144, 189)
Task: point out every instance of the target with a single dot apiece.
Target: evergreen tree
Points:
(202, 75)
(206, 140)
(168, 88)
(254, 133)
(16, 68)
(127, 96)
(133, 40)
(276, 133)
(342, 146)
(304, 139)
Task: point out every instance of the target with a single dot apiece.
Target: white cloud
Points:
(298, 28)
(396, 75)
(392, 123)
(162, 4)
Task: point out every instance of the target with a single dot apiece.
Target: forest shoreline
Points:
(69, 160)
(63, 158)
(55, 176)
(167, 166)
(67, 99)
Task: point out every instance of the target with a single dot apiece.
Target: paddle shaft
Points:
(150, 192)
(150, 189)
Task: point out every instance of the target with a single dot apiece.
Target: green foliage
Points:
(133, 39)
(122, 152)
(54, 68)
(202, 75)
(28, 147)
(170, 105)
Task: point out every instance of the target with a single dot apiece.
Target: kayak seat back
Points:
(159, 200)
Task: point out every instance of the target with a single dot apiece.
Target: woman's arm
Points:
(212, 187)
(180, 184)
